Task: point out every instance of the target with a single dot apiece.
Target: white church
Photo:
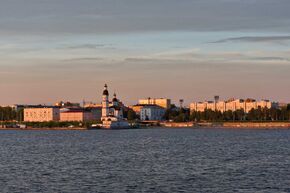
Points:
(112, 112)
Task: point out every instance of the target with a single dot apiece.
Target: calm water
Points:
(151, 160)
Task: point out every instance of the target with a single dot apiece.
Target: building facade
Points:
(232, 105)
(152, 113)
(137, 108)
(77, 115)
(43, 114)
(164, 103)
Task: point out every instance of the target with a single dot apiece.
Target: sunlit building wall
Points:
(164, 103)
(41, 114)
(76, 115)
(232, 105)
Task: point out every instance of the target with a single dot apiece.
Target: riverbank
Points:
(46, 128)
(193, 125)
(228, 125)
(263, 125)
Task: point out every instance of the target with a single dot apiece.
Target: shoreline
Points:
(229, 126)
(47, 129)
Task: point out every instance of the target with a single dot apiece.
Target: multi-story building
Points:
(137, 108)
(220, 106)
(164, 103)
(41, 114)
(152, 113)
(79, 115)
(232, 105)
(201, 106)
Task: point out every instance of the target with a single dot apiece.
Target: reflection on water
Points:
(149, 160)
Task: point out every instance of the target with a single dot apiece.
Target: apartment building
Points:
(162, 102)
(232, 104)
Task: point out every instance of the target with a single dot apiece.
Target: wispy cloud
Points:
(89, 46)
(271, 58)
(85, 59)
(193, 57)
(262, 39)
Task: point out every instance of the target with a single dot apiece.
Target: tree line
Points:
(259, 114)
(10, 114)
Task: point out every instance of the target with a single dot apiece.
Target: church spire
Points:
(106, 92)
(115, 98)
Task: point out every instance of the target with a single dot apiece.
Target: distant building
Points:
(152, 113)
(41, 114)
(164, 103)
(92, 105)
(232, 105)
(18, 107)
(137, 108)
(80, 115)
(62, 104)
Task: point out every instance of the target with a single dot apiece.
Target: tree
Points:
(131, 115)
(7, 114)
(228, 115)
(180, 118)
(239, 114)
(251, 116)
(284, 114)
(259, 114)
(171, 114)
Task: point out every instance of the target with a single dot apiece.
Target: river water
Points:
(145, 160)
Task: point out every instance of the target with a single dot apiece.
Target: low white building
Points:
(152, 113)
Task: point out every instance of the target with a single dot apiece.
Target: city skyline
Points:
(66, 50)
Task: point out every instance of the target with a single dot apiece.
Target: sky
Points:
(52, 50)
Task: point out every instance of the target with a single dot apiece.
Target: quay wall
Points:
(257, 125)
(227, 124)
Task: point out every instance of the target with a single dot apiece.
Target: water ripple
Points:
(151, 160)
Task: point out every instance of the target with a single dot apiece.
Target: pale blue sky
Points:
(193, 49)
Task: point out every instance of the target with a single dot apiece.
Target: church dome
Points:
(106, 92)
(115, 98)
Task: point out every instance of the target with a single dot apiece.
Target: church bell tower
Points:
(105, 102)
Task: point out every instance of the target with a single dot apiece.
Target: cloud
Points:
(127, 16)
(273, 58)
(262, 39)
(88, 46)
(85, 59)
(199, 56)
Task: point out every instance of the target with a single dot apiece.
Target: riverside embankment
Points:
(43, 128)
(200, 125)
(247, 125)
